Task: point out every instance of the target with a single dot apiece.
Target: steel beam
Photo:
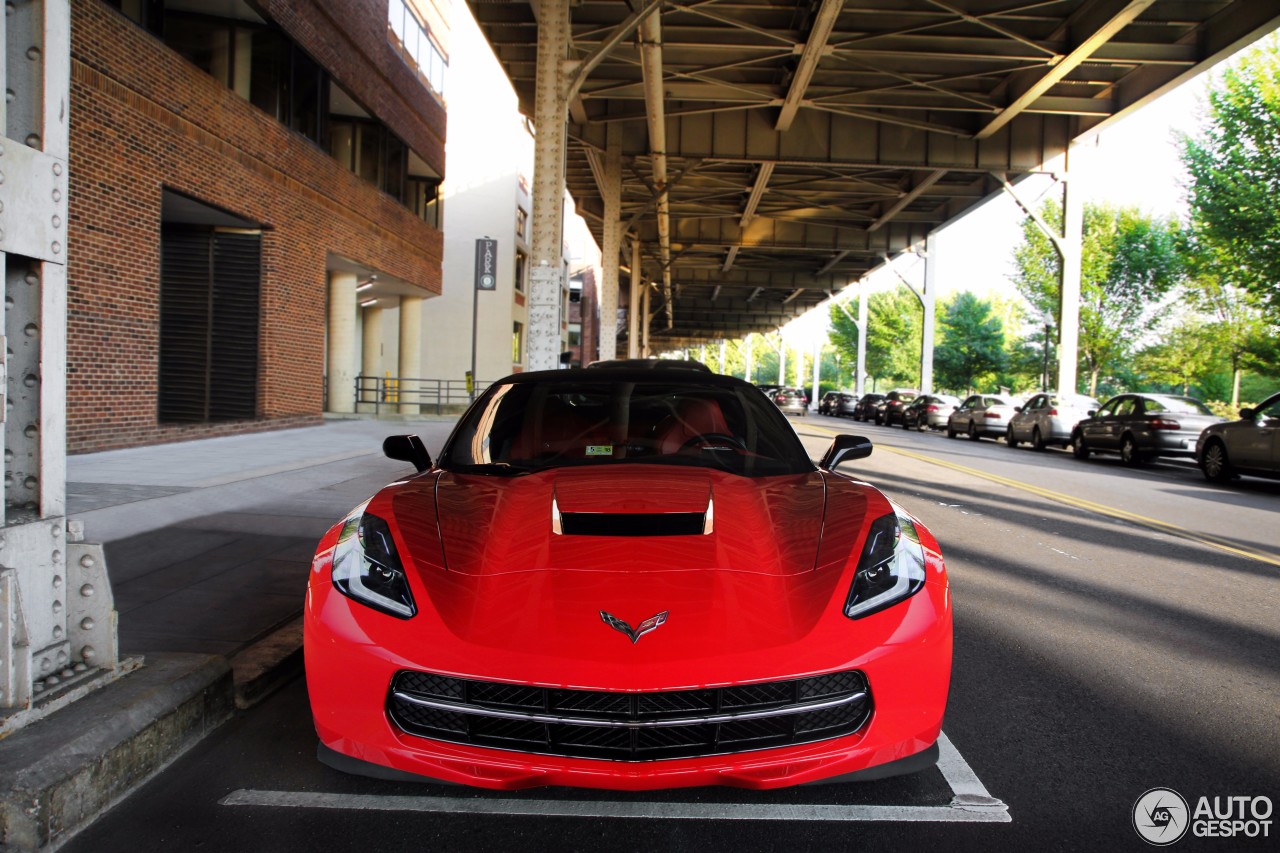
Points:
(814, 48)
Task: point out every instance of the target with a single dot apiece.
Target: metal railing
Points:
(440, 394)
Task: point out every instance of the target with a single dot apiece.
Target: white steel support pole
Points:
(634, 308)
(929, 300)
(817, 370)
(612, 240)
(342, 341)
(860, 378)
(724, 348)
(1069, 308)
(782, 363)
(747, 344)
(645, 319)
(550, 115)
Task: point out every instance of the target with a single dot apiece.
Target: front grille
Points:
(629, 726)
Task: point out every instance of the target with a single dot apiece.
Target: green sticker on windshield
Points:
(599, 449)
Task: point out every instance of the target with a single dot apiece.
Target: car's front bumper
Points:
(352, 654)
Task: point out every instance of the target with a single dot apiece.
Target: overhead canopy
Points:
(805, 141)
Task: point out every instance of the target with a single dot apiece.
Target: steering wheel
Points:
(714, 438)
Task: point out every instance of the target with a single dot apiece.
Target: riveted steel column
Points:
(57, 628)
(612, 240)
(929, 300)
(342, 341)
(645, 318)
(551, 111)
(634, 310)
(1069, 308)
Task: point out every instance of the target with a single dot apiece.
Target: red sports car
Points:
(632, 579)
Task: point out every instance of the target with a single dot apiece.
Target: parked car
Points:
(848, 402)
(929, 410)
(1049, 418)
(830, 403)
(1250, 445)
(1142, 426)
(866, 408)
(595, 664)
(894, 402)
(792, 401)
(981, 414)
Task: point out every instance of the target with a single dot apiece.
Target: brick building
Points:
(253, 207)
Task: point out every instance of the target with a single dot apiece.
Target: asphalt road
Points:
(1116, 631)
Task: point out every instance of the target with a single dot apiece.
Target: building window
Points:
(575, 334)
(522, 270)
(210, 280)
(517, 343)
(412, 38)
(522, 223)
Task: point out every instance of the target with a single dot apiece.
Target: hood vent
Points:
(632, 523)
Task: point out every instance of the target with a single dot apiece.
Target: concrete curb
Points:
(268, 664)
(59, 774)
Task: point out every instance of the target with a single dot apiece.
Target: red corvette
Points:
(632, 579)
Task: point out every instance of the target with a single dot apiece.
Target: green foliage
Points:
(1234, 168)
(972, 348)
(1129, 262)
(894, 323)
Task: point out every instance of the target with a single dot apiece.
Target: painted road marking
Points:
(1087, 505)
(970, 804)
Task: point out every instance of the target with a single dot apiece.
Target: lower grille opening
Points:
(629, 726)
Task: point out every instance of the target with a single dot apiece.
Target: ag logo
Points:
(1161, 816)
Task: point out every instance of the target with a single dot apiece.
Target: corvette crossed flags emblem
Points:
(640, 630)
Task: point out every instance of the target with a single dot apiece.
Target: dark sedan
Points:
(894, 402)
(1142, 426)
(868, 407)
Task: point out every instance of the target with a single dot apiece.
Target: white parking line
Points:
(971, 803)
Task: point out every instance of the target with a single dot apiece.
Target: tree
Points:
(1233, 166)
(1129, 262)
(1184, 355)
(894, 323)
(972, 342)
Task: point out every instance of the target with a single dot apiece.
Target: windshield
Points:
(518, 427)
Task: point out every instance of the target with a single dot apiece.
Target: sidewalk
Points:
(208, 542)
(208, 546)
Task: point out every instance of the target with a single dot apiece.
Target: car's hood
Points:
(764, 577)
(503, 525)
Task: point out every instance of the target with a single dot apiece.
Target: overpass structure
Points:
(743, 160)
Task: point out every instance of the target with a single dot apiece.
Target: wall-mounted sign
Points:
(486, 264)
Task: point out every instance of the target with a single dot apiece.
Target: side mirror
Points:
(1249, 414)
(407, 448)
(843, 448)
(1091, 413)
(1017, 408)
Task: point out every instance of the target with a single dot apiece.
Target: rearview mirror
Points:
(407, 448)
(843, 448)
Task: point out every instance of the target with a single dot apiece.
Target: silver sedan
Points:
(1250, 445)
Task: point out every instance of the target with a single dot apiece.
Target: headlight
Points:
(366, 567)
(891, 568)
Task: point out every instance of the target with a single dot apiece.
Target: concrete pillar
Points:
(612, 240)
(550, 116)
(371, 356)
(342, 341)
(410, 353)
(1069, 309)
(929, 299)
(635, 309)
